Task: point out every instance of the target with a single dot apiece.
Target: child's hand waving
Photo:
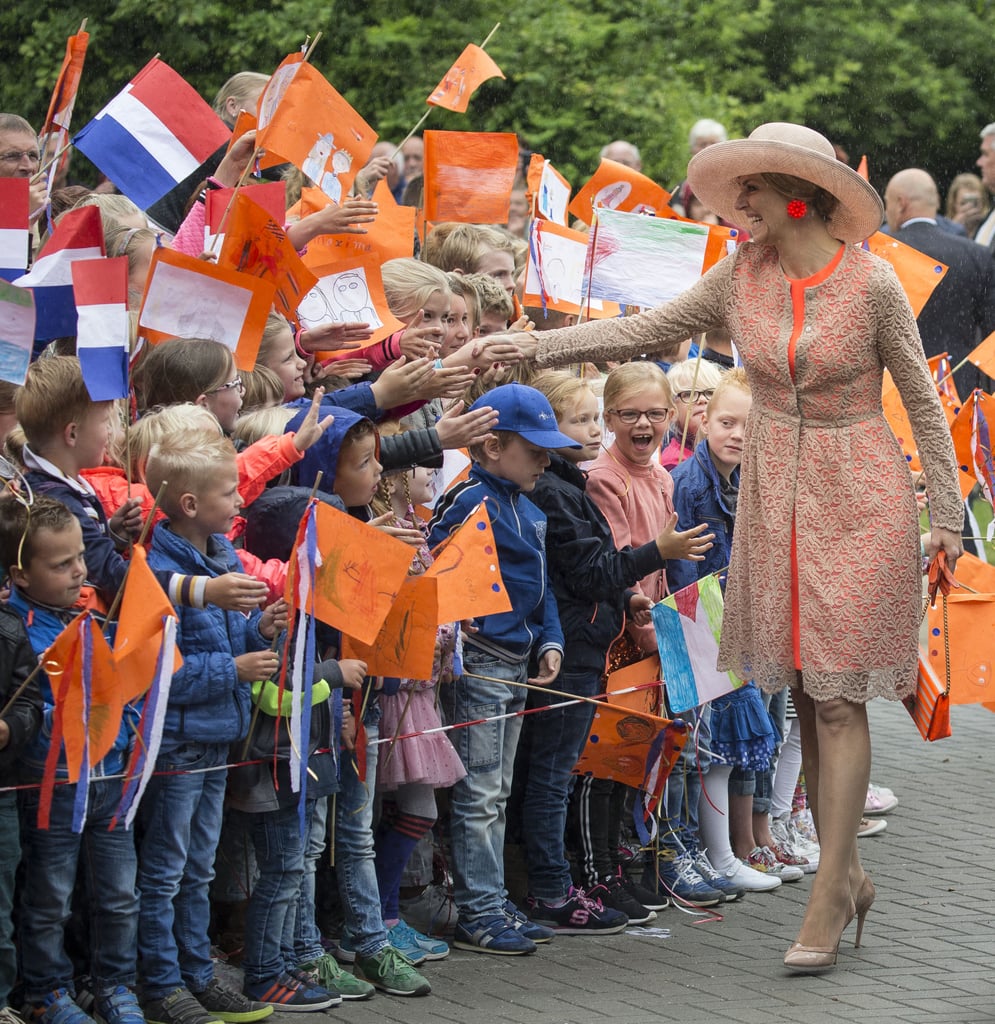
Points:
(273, 619)
(691, 544)
(312, 428)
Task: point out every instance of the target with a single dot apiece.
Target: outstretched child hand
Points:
(549, 668)
(273, 619)
(408, 534)
(401, 382)
(334, 337)
(256, 665)
(350, 369)
(353, 672)
(639, 610)
(235, 592)
(127, 520)
(691, 544)
(346, 219)
(312, 428)
(459, 429)
(420, 339)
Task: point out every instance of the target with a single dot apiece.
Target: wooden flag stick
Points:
(310, 48)
(17, 693)
(82, 25)
(490, 36)
(40, 173)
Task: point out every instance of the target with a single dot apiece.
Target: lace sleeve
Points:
(901, 352)
(702, 307)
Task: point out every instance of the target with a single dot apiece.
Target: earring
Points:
(797, 208)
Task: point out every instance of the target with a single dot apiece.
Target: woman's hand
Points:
(947, 540)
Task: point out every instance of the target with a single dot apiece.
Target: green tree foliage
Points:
(904, 82)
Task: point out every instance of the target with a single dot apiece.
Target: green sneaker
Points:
(392, 972)
(326, 972)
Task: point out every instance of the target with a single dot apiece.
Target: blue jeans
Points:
(777, 705)
(279, 846)
(51, 857)
(10, 856)
(683, 786)
(354, 855)
(554, 741)
(301, 937)
(477, 801)
(181, 815)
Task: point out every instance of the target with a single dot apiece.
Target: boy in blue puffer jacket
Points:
(208, 709)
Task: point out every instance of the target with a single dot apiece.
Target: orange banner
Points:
(619, 188)
(462, 80)
(917, 273)
(469, 176)
(971, 621)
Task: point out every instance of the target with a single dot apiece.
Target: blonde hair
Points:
(632, 377)
(408, 284)
(242, 86)
(696, 374)
(53, 396)
(563, 389)
(154, 426)
(263, 389)
(188, 462)
(460, 246)
(276, 324)
(734, 379)
(259, 423)
(459, 285)
(491, 297)
(113, 209)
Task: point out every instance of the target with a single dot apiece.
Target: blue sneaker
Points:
(581, 913)
(680, 878)
(536, 932)
(724, 883)
(415, 946)
(346, 952)
(495, 934)
(57, 1008)
(119, 1006)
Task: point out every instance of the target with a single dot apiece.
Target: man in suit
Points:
(961, 310)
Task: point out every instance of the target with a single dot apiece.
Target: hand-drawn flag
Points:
(270, 195)
(555, 272)
(54, 135)
(972, 436)
(547, 191)
(312, 126)
(917, 273)
(472, 67)
(983, 357)
(189, 298)
(349, 291)
(246, 121)
(469, 176)
(469, 573)
(103, 333)
(617, 187)
(971, 623)
(640, 684)
(257, 245)
(942, 371)
(644, 261)
(154, 133)
(79, 235)
(15, 235)
(688, 624)
(17, 332)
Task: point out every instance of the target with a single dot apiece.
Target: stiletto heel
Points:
(812, 959)
(862, 903)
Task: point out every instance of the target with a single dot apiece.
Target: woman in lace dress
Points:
(825, 577)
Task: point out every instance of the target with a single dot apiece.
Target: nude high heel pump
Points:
(862, 903)
(813, 959)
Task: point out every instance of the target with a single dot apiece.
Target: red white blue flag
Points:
(102, 331)
(14, 232)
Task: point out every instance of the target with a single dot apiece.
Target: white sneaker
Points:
(789, 839)
(751, 880)
(880, 800)
(763, 859)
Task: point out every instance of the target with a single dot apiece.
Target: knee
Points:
(840, 715)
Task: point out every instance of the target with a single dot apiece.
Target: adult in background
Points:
(825, 577)
(20, 157)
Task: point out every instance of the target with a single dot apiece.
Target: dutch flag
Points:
(152, 135)
(14, 232)
(77, 236)
(103, 335)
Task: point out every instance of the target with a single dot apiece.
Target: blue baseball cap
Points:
(527, 412)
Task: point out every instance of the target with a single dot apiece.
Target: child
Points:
(589, 577)
(18, 726)
(706, 486)
(499, 647)
(208, 709)
(494, 306)
(473, 249)
(42, 546)
(692, 382)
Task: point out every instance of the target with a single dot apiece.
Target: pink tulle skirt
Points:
(429, 759)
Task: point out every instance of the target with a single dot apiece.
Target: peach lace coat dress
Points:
(825, 575)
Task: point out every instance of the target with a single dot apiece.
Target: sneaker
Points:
(651, 899)
(433, 912)
(326, 972)
(226, 1004)
(392, 972)
(179, 1007)
(57, 1007)
(725, 883)
(580, 914)
(8, 1015)
(680, 878)
(786, 853)
(346, 952)
(763, 858)
(615, 896)
(495, 934)
(750, 879)
(119, 1006)
(804, 824)
(871, 827)
(291, 994)
(786, 837)
(538, 933)
(409, 941)
(880, 800)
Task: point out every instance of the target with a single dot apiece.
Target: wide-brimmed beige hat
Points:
(781, 148)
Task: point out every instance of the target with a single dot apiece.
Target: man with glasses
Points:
(20, 156)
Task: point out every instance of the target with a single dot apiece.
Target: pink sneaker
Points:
(880, 800)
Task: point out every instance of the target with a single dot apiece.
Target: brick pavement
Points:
(929, 942)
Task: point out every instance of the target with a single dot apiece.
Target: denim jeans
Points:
(777, 704)
(279, 847)
(684, 783)
(181, 815)
(10, 856)
(50, 860)
(477, 801)
(552, 742)
(301, 938)
(354, 856)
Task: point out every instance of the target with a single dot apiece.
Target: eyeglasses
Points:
(16, 156)
(690, 397)
(632, 415)
(236, 383)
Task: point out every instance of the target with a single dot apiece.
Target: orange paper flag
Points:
(246, 121)
(466, 566)
(361, 573)
(971, 621)
(548, 192)
(862, 168)
(642, 673)
(461, 81)
(304, 119)
(189, 298)
(619, 188)
(139, 627)
(469, 176)
(255, 244)
(983, 357)
(917, 273)
(218, 206)
(405, 646)
(941, 371)
(975, 573)
(349, 291)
